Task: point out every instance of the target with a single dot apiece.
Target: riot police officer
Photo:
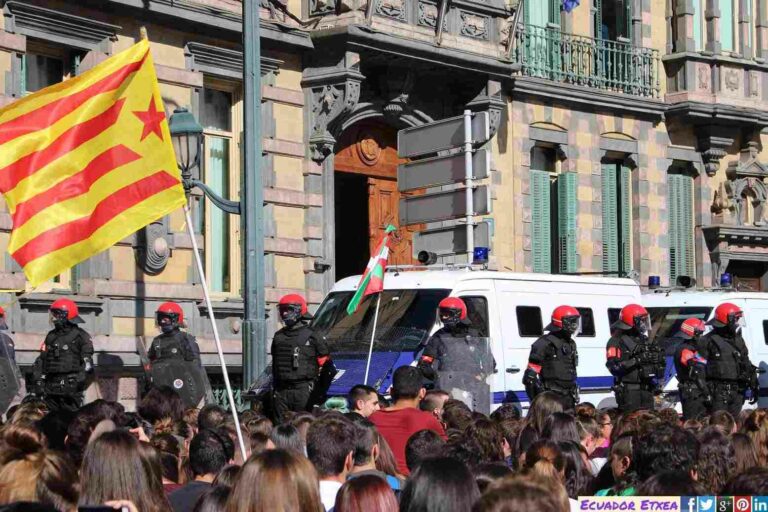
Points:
(554, 358)
(66, 357)
(457, 358)
(730, 373)
(10, 376)
(297, 357)
(174, 356)
(637, 365)
(691, 370)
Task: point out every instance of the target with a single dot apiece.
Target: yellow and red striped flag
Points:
(85, 163)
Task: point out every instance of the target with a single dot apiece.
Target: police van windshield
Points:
(405, 320)
(666, 322)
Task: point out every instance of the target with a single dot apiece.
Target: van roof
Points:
(697, 297)
(447, 279)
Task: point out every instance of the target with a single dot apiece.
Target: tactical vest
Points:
(725, 360)
(294, 357)
(63, 350)
(463, 351)
(560, 359)
(628, 346)
(173, 345)
(683, 372)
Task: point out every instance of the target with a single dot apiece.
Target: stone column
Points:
(684, 40)
(745, 29)
(712, 15)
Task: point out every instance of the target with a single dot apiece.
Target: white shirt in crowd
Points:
(328, 491)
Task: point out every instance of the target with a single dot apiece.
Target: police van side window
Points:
(765, 331)
(529, 321)
(613, 315)
(587, 322)
(477, 313)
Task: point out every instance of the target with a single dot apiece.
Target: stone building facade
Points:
(627, 139)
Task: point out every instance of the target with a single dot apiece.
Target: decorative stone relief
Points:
(152, 248)
(391, 8)
(713, 140)
(731, 80)
(490, 99)
(754, 84)
(703, 78)
(428, 14)
(711, 158)
(399, 83)
(741, 199)
(368, 149)
(474, 26)
(319, 7)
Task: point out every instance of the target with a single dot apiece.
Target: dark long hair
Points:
(560, 427)
(578, 480)
(717, 460)
(440, 484)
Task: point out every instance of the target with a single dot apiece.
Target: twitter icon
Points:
(706, 503)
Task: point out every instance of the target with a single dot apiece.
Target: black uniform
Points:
(175, 362)
(638, 370)
(59, 372)
(553, 359)
(691, 370)
(729, 370)
(176, 344)
(10, 376)
(459, 361)
(295, 367)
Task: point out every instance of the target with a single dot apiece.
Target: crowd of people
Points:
(424, 451)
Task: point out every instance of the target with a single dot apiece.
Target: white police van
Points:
(670, 307)
(511, 309)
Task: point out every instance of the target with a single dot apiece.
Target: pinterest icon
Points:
(742, 504)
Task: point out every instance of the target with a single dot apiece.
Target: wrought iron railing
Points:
(610, 65)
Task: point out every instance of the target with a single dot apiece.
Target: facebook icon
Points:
(688, 504)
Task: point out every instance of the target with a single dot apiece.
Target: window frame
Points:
(468, 299)
(520, 325)
(591, 316)
(680, 182)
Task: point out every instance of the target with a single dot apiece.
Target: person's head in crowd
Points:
(276, 480)
(213, 499)
(486, 474)
(258, 442)
(366, 445)
(621, 461)
(577, 478)
(408, 386)
(331, 447)
(211, 416)
(543, 406)
(516, 494)
(30, 472)
(743, 415)
(744, 453)
(666, 448)
(169, 451)
(589, 434)
(160, 403)
(114, 469)
(481, 442)
(639, 422)
(54, 426)
(209, 452)
(190, 417)
(560, 427)
(434, 401)
(756, 427)
(302, 421)
(386, 461)
(669, 416)
(367, 493)
(422, 445)
(363, 400)
(716, 462)
(606, 418)
(259, 424)
(287, 437)
(724, 420)
(456, 416)
(439, 484)
(82, 425)
(671, 483)
(150, 460)
(585, 410)
(30, 412)
(228, 476)
(752, 482)
(511, 430)
(543, 457)
(335, 404)
(505, 412)
(694, 426)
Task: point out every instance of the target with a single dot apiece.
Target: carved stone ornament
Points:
(319, 7)
(391, 9)
(474, 26)
(742, 198)
(712, 142)
(703, 78)
(152, 248)
(368, 149)
(711, 158)
(428, 14)
(490, 99)
(754, 84)
(399, 83)
(732, 80)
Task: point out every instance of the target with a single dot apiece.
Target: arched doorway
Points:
(366, 197)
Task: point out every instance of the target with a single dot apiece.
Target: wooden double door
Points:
(367, 161)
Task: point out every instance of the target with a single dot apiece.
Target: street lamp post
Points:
(187, 137)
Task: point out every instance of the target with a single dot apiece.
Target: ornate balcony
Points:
(613, 66)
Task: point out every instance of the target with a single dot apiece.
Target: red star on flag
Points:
(152, 119)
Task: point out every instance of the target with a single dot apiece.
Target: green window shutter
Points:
(554, 11)
(625, 205)
(537, 12)
(610, 219)
(567, 205)
(23, 75)
(673, 206)
(687, 226)
(217, 177)
(540, 219)
(726, 25)
(598, 19)
(681, 226)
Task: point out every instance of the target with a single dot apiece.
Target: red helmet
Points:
(2, 312)
(565, 317)
(172, 310)
(66, 309)
(692, 328)
(727, 314)
(633, 316)
(454, 304)
(294, 299)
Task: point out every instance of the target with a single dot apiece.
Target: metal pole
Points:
(468, 182)
(252, 200)
(216, 338)
(373, 335)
